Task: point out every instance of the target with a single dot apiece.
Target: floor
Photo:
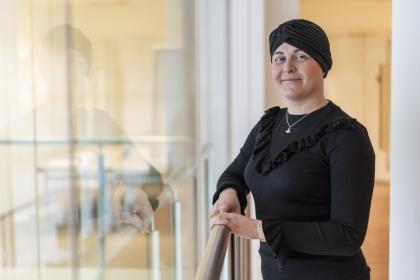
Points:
(376, 247)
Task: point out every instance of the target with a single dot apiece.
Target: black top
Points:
(312, 189)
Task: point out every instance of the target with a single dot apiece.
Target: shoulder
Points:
(354, 132)
(267, 121)
(273, 111)
(354, 140)
(354, 127)
(343, 123)
(270, 116)
(345, 132)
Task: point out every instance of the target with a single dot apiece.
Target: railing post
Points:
(178, 240)
(153, 254)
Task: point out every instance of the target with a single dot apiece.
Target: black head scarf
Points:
(306, 36)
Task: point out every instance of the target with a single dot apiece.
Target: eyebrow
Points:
(280, 52)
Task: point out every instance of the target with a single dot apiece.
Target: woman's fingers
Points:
(227, 203)
(237, 224)
(214, 210)
(222, 218)
(222, 206)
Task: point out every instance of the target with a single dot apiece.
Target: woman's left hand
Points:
(237, 223)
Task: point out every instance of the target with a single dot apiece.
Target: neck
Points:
(300, 107)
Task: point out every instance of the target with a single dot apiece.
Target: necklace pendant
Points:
(288, 130)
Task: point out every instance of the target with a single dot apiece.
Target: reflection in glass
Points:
(98, 144)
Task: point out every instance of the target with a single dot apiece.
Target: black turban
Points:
(306, 36)
(80, 43)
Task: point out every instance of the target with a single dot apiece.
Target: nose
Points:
(289, 67)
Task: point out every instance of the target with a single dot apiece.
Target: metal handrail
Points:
(211, 263)
(164, 198)
(95, 141)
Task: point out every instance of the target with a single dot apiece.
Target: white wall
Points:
(8, 56)
(231, 83)
(353, 85)
(246, 68)
(247, 54)
(405, 139)
(276, 12)
(213, 107)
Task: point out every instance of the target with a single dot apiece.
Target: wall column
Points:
(276, 12)
(405, 140)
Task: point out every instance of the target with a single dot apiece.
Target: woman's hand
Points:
(237, 223)
(226, 211)
(228, 202)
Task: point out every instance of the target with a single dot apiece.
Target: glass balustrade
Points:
(97, 139)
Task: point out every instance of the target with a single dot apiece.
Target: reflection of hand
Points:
(133, 207)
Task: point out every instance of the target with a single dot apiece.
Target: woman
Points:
(309, 166)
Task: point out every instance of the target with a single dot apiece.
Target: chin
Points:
(291, 94)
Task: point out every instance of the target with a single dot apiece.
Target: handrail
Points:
(95, 141)
(164, 198)
(212, 261)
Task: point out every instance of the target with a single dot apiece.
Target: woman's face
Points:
(296, 73)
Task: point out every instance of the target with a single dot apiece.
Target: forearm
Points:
(230, 180)
(318, 238)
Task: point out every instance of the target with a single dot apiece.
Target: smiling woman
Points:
(310, 168)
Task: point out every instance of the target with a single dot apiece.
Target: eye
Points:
(279, 59)
(301, 57)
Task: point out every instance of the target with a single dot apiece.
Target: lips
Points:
(290, 80)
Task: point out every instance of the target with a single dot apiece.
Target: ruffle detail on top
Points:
(264, 163)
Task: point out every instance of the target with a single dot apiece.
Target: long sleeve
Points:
(233, 176)
(352, 167)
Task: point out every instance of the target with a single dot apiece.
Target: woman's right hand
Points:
(228, 202)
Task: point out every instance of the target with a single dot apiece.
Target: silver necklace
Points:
(291, 125)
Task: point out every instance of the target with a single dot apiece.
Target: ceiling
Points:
(347, 17)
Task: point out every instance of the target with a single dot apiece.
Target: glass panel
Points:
(97, 139)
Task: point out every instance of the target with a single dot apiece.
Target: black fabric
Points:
(312, 189)
(229, 179)
(265, 163)
(306, 36)
(303, 267)
(233, 176)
